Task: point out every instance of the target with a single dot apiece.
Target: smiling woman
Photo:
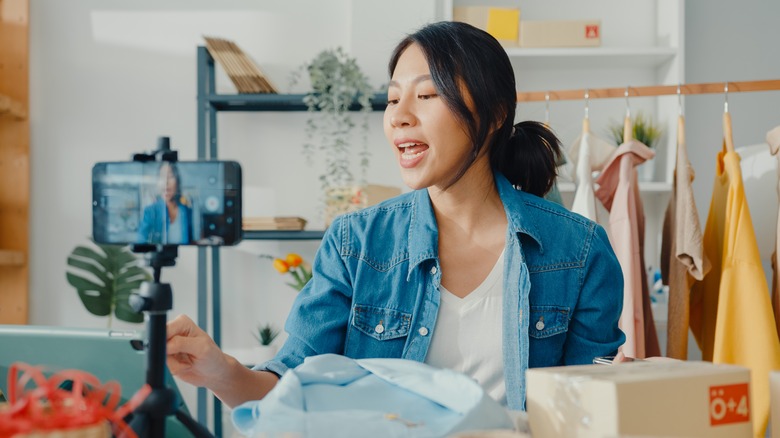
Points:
(472, 270)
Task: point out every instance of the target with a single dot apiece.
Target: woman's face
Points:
(427, 139)
(168, 184)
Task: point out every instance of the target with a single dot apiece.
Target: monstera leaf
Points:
(106, 279)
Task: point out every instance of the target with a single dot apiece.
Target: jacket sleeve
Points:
(593, 329)
(318, 320)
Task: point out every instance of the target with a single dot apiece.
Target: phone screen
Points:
(170, 203)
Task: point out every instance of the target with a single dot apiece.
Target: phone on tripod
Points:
(168, 203)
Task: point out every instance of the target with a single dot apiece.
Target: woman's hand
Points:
(196, 359)
(192, 355)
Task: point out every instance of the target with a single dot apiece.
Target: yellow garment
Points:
(731, 313)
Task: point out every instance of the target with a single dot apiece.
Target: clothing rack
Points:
(653, 90)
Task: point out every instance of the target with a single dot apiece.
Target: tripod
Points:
(155, 299)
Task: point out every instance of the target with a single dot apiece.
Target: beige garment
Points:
(773, 139)
(682, 260)
(619, 192)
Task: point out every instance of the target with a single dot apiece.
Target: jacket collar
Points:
(423, 236)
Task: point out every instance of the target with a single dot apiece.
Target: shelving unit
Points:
(209, 104)
(15, 165)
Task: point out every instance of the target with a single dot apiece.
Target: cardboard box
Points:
(502, 23)
(571, 33)
(644, 398)
(774, 403)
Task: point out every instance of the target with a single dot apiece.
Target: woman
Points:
(167, 220)
(466, 271)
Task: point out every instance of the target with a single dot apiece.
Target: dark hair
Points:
(175, 172)
(459, 54)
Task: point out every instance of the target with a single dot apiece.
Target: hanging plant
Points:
(112, 274)
(337, 83)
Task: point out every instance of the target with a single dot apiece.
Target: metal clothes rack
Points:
(653, 90)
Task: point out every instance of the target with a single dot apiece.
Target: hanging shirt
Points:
(731, 315)
(468, 333)
(682, 259)
(619, 192)
(773, 139)
(590, 153)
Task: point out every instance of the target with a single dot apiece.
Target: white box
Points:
(644, 398)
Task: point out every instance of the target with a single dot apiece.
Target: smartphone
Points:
(169, 203)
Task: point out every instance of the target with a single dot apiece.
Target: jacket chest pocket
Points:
(547, 321)
(380, 323)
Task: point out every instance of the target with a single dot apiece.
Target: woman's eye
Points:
(392, 101)
(427, 96)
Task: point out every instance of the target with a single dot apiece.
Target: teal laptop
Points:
(108, 355)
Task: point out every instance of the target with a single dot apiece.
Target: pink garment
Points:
(619, 192)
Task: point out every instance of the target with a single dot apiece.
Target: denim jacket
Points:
(375, 288)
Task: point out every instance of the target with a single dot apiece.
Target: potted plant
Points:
(265, 351)
(112, 274)
(645, 130)
(337, 83)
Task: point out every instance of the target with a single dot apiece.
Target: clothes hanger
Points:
(586, 120)
(728, 139)
(547, 109)
(628, 131)
(680, 118)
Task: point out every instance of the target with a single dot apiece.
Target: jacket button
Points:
(434, 270)
(540, 325)
(423, 331)
(379, 328)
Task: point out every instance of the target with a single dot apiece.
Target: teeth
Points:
(407, 145)
(409, 156)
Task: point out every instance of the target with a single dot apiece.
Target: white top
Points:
(468, 338)
(174, 230)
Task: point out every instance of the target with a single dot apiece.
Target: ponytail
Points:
(529, 157)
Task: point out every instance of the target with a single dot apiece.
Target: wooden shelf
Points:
(11, 258)
(12, 108)
(592, 57)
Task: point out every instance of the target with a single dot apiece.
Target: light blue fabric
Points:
(334, 396)
(375, 290)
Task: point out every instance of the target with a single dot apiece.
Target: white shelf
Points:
(644, 187)
(592, 57)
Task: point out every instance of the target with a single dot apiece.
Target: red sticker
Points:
(592, 31)
(729, 404)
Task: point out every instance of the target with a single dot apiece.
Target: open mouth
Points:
(411, 150)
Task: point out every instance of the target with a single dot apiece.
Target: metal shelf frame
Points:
(209, 103)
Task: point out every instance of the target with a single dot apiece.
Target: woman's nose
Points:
(401, 116)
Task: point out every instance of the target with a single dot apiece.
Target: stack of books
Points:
(245, 74)
(274, 223)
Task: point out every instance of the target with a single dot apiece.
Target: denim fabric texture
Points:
(375, 289)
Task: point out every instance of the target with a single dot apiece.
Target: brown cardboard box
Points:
(502, 23)
(572, 33)
(774, 403)
(643, 398)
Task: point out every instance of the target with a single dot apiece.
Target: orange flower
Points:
(294, 260)
(281, 266)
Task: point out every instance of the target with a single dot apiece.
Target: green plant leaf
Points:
(117, 268)
(90, 267)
